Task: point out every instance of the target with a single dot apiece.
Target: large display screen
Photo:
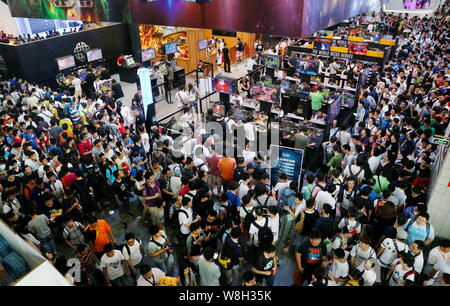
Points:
(148, 54)
(357, 48)
(223, 85)
(288, 161)
(271, 61)
(219, 109)
(66, 62)
(94, 55)
(416, 4)
(307, 67)
(202, 44)
(265, 93)
(170, 48)
(322, 44)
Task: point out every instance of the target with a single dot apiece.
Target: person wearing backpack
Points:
(160, 250)
(260, 231)
(361, 252)
(419, 229)
(356, 169)
(304, 223)
(402, 270)
(231, 257)
(133, 252)
(390, 250)
(246, 214)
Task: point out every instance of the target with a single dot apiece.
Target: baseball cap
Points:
(137, 159)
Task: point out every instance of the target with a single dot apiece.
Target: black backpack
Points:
(265, 235)
(127, 247)
(238, 173)
(175, 220)
(248, 219)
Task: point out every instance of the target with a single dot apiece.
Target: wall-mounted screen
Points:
(322, 44)
(416, 4)
(202, 44)
(148, 54)
(66, 62)
(170, 48)
(357, 48)
(271, 61)
(94, 55)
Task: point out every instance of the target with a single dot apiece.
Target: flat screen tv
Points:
(271, 61)
(265, 93)
(322, 44)
(219, 109)
(416, 4)
(202, 44)
(308, 67)
(357, 48)
(223, 85)
(170, 48)
(148, 54)
(66, 62)
(94, 55)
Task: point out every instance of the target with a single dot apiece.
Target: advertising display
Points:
(307, 67)
(86, 10)
(66, 62)
(202, 44)
(146, 89)
(219, 109)
(94, 55)
(148, 54)
(170, 48)
(271, 61)
(224, 85)
(289, 161)
(322, 44)
(266, 93)
(416, 4)
(357, 48)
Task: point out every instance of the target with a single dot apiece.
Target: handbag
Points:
(300, 224)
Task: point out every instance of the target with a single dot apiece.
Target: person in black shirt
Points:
(12, 183)
(202, 204)
(117, 89)
(212, 226)
(311, 215)
(54, 212)
(233, 250)
(311, 255)
(71, 206)
(226, 58)
(111, 106)
(122, 195)
(90, 79)
(265, 265)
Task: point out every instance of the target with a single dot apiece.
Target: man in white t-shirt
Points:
(325, 197)
(391, 249)
(132, 251)
(77, 84)
(274, 222)
(417, 251)
(402, 270)
(440, 251)
(338, 272)
(183, 98)
(115, 267)
(150, 276)
(369, 274)
(185, 216)
(256, 225)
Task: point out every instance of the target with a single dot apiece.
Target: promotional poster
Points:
(289, 161)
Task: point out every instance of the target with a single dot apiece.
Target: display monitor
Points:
(148, 54)
(271, 61)
(265, 93)
(66, 62)
(308, 67)
(202, 44)
(170, 48)
(322, 44)
(357, 48)
(355, 32)
(286, 86)
(219, 109)
(224, 85)
(94, 55)
(416, 4)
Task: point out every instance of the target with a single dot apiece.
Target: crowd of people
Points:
(213, 217)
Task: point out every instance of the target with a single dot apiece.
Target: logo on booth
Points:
(80, 51)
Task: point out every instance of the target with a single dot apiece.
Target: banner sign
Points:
(294, 18)
(289, 161)
(146, 89)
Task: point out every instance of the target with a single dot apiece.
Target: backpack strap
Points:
(409, 273)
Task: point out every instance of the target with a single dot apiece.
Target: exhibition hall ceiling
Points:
(294, 18)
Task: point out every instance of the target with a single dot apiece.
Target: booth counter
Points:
(42, 272)
(128, 74)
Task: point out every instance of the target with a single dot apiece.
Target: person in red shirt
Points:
(85, 146)
(214, 172)
(67, 177)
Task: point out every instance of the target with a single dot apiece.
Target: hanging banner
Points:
(80, 10)
(146, 89)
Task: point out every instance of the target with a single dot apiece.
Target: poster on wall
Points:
(288, 161)
(86, 10)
